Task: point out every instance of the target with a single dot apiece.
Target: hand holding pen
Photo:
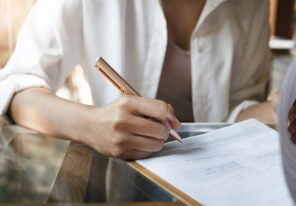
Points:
(145, 123)
(125, 88)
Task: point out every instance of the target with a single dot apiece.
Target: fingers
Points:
(138, 124)
(156, 109)
(146, 144)
(134, 154)
(148, 128)
(134, 147)
(129, 133)
(172, 119)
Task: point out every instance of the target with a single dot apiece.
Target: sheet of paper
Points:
(235, 165)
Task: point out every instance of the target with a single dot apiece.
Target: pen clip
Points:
(114, 77)
(110, 79)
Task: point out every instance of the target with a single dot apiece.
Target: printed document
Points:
(236, 165)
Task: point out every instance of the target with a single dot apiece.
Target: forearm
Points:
(263, 112)
(118, 129)
(40, 110)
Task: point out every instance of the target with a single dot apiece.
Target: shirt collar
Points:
(209, 7)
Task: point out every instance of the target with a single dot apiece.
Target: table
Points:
(88, 176)
(29, 163)
(39, 168)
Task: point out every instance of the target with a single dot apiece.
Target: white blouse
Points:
(229, 51)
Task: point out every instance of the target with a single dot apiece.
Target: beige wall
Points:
(12, 15)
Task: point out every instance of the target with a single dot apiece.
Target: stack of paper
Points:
(235, 165)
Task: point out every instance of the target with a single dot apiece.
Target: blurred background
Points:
(282, 24)
(12, 15)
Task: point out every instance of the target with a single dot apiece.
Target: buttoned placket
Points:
(198, 47)
(156, 50)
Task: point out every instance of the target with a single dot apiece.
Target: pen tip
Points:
(176, 135)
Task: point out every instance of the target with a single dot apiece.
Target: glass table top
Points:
(40, 168)
(29, 163)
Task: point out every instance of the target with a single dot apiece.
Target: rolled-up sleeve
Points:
(15, 83)
(48, 48)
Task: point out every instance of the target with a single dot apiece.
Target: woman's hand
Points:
(121, 129)
(264, 111)
(124, 128)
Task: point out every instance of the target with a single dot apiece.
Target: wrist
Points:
(86, 122)
(80, 124)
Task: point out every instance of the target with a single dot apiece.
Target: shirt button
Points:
(198, 46)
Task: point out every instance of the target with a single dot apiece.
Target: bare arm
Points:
(118, 129)
(264, 112)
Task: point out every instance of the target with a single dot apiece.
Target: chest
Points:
(181, 18)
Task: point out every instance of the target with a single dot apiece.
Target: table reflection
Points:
(39, 168)
(88, 176)
(29, 163)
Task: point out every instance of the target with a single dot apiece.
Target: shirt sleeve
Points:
(48, 48)
(242, 106)
(15, 83)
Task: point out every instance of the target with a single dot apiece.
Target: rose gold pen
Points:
(122, 85)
